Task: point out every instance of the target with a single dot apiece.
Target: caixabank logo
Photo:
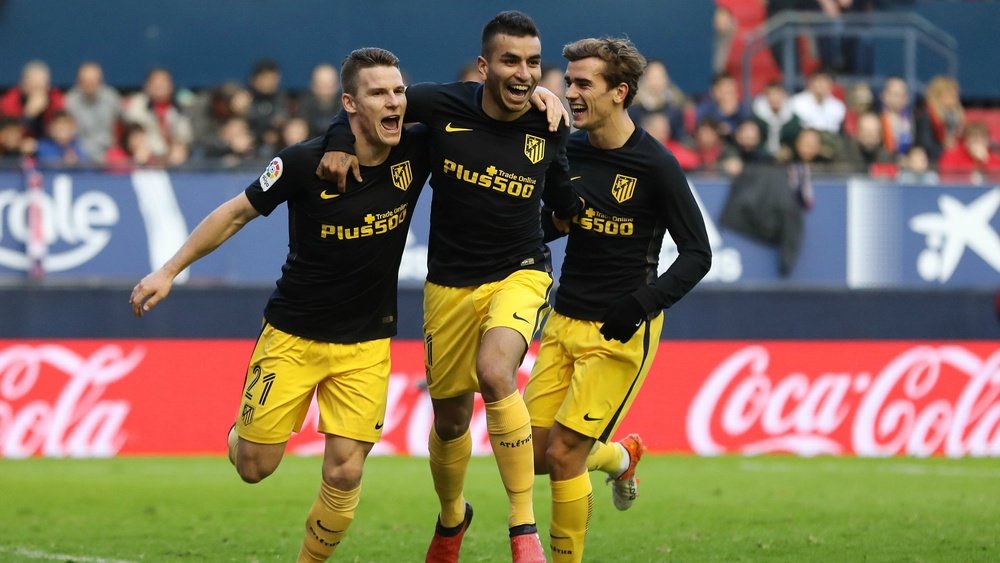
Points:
(923, 235)
(955, 229)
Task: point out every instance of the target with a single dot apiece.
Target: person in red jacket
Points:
(973, 155)
(34, 101)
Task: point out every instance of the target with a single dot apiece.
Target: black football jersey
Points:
(488, 178)
(634, 195)
(338, 283)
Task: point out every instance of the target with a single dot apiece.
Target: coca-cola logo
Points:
(51, 400)
(926, 400)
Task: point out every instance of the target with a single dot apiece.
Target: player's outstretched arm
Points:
(222, 223)
(546, 100)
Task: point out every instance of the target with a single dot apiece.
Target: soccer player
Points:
(591, 363)
(313, 337)
(488, 278)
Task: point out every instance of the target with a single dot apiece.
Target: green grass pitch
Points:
(771, 508)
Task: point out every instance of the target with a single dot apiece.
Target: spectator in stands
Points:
(658, 126)
(213, 108)
(294, 131)
(657, 94)
(859, 100)
(816, 107)
(709, 144)
(552, 79)
(841, 51)
(61, 146)
(469, 73)
(747, 148)
(915, 168)
(723, 105)
(97, 109)
(14, 144)
(973, 156)
(866, 149)
(807, 154)
(167, 129)
(134, 150)
(236, 145)
(269, 107)
(733, 21)
(773, 110)
(321, 102)
(939, 126)
(34, 101)
(896, 116)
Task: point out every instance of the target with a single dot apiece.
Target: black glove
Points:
(623, 318)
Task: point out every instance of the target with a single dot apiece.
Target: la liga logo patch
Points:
(272, 173)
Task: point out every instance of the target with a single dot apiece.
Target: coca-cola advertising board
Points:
(95, 398)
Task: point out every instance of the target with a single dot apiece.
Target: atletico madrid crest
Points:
(534, 148)
(402, 175)
(623, 188)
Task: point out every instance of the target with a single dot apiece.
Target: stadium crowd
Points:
(835, 128)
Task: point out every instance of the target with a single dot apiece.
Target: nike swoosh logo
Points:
(575, 178)
(638, 323)
(380, 424)
(325, 195)
(518, 317)
(325, 529)
(452, 129)
(588, 418)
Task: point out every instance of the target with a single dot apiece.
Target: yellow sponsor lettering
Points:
(597, 222)
(375, 224)
(492, 178)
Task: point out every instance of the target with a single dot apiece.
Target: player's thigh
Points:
(352, 398)
(607, 376)
(550, 376)
(278, 387)
(451, 340)
(519, 302)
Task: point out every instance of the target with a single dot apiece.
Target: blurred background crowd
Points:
(838, 116)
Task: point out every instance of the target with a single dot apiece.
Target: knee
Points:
(252, 472)
(344, 476)
(452, 417)
(555, 457)
(449, 428)
(563, 461)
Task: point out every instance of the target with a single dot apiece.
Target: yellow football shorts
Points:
(456, 318)
(350, 381)
(585, 382)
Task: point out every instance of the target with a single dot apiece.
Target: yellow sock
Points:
(327, 523)
(509, 427)
(606, 457)
(449, 461)
(572, 505)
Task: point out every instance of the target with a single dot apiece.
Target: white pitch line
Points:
(896, 468)
(36, 554)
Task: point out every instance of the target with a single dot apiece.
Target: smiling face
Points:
(378, 105)
(513, 67)
(591, 100)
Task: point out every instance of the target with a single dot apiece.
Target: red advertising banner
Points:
(86, 398)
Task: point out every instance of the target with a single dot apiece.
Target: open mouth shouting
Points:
(391, 124)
